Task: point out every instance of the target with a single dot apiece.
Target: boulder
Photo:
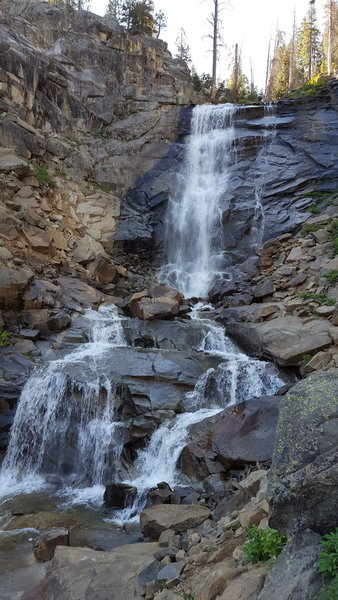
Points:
(119, 495)
(38, 239)
(285, 339)
(154, 308)
(180, 517)
(80, 292)
(46, 320)
(10, 162)
(44, 546)
(295, 573)
(303, 481)
(239, 435)
(247, 586)
(103, 270)
(13, 280)
(87, 249)
(85, 573)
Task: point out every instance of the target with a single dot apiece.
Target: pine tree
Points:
(114, 8)
(137, 17)
(278, 80)
(309, 53)
(330, 38)
(238, 82)
(182, 46)
(160, 22)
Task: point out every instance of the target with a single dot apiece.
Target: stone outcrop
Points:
(295, 573)
(304, 474)
(241, 434)
(101, 104)
(276, 158)
(159, 518)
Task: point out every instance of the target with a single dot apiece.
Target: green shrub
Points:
(328, 556)
(306, 358)
(44, 178)
(5, 339)
(322, 298)
(308, 229)
(329, 591)
(334, 238)
(332, 276)
(263, 544)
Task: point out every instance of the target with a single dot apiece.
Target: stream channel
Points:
(118, 406)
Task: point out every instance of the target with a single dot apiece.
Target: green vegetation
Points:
(103, 188)
(322, 298)
(306, 358)
(308, 229)
(263, 545)
(329, 591)
(5, 339)
(334, 238)
(332, 276)
(186, 595)
(44, 178)
(328, 565)
(328, 556)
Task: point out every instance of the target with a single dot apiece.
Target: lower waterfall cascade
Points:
(66, 431)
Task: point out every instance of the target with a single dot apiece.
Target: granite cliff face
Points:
(78, 91)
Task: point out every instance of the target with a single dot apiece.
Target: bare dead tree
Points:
(217, 40)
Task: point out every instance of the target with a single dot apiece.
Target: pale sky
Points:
(250, 23)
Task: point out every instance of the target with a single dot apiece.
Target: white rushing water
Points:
(66, 427)
(194, 251)
(237, 379)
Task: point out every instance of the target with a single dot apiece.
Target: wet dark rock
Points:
(162, 494)
(303, 480)
(265, 288)
(44, 546)
(241, 434)
(119, 495)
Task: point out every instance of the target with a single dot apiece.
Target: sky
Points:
(250, 23)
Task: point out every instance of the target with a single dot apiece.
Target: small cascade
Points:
(63, 427)
(237, 379)
(194, 244)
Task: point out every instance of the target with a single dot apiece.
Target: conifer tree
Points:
(182, 46)
(160, 22)
(309, 53)
(114, 8)
(137, 16)
(330, 38)
(238, 82)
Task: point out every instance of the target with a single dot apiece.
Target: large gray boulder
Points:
(179, 517)
(295, 576)
(84, 573)
(285, 339)
(304, 475)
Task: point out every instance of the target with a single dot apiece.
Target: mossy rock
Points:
(303, 482)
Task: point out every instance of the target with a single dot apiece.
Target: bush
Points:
(328, 556)
(329, 591)
(44, 178)
(263, 545)
(308, 229)
(334, 238)
(5, 339)
(322, 298)
(332, 276)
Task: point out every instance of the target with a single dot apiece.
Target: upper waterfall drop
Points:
(194, 253)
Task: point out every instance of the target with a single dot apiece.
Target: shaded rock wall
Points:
(282, 154)
(101, 104)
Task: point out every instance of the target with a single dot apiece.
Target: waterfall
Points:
(194, 252)
(65, 427)
(237, 379)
